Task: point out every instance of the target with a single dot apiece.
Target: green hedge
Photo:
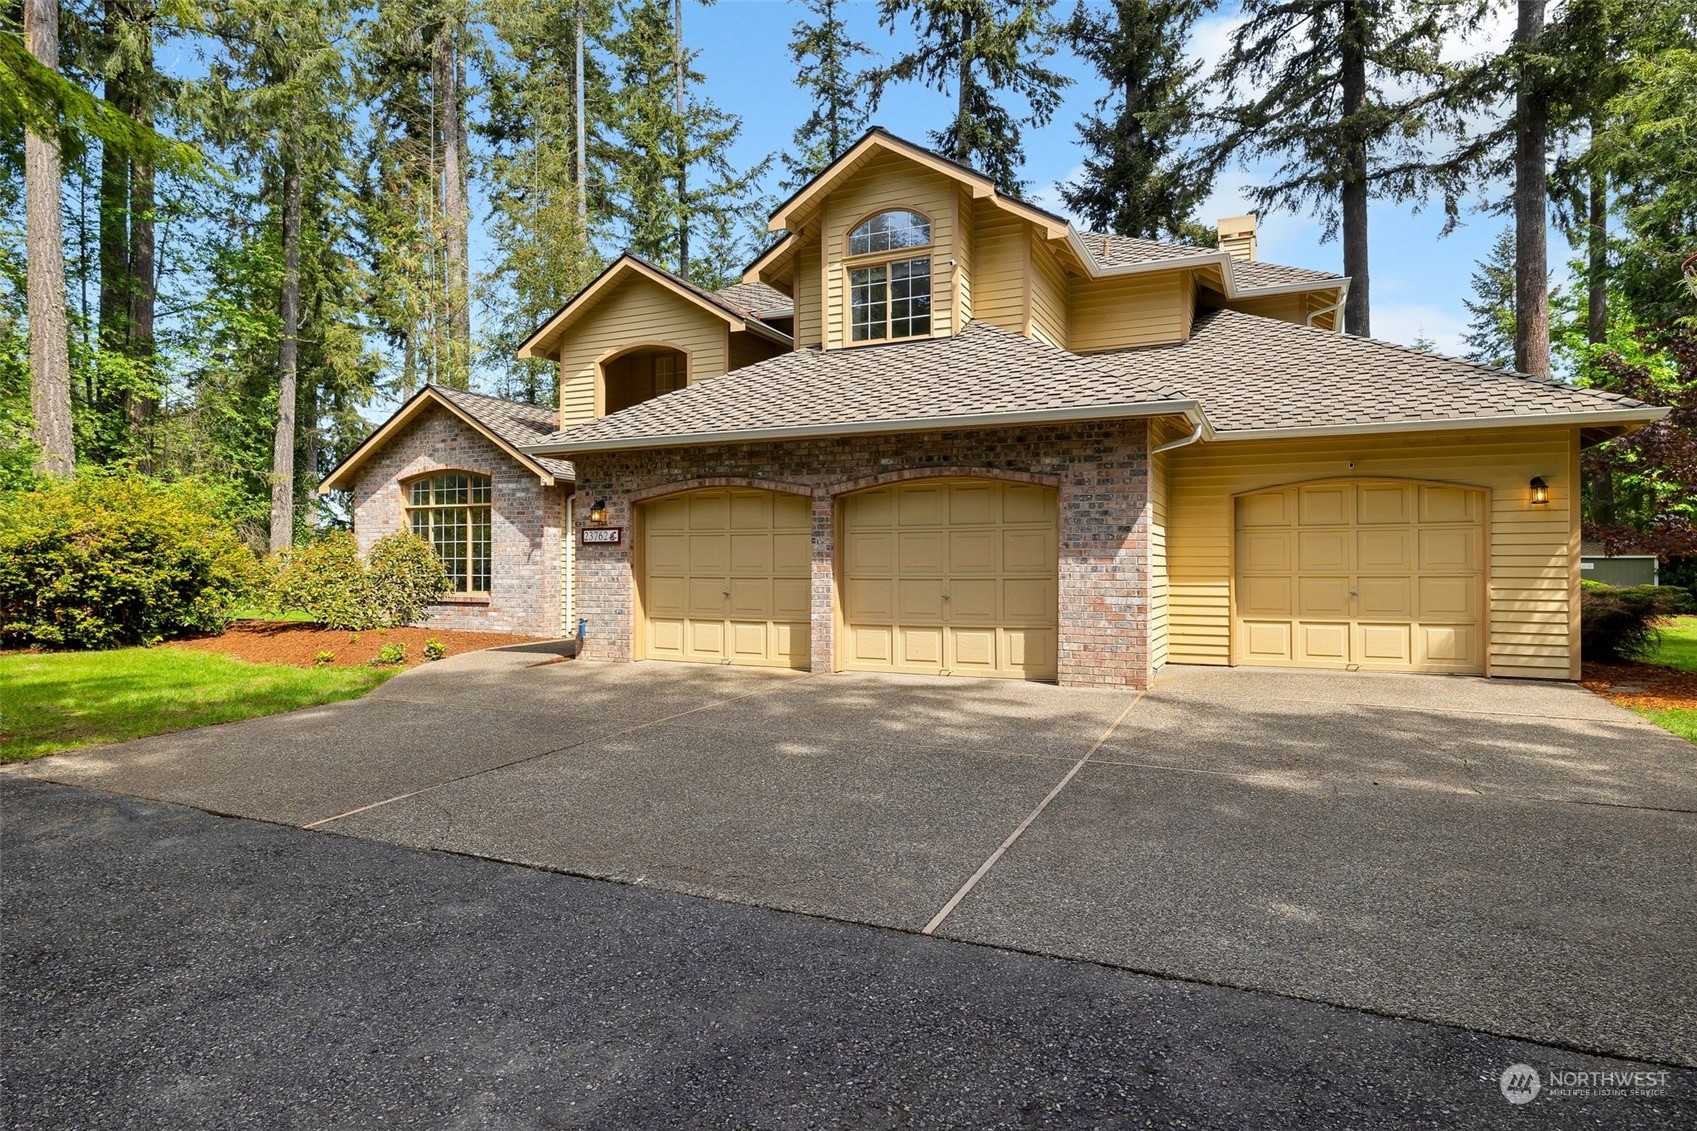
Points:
(102, 561)
(1624, 624)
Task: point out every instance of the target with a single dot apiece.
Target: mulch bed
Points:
(1644, 686)
(280, 642)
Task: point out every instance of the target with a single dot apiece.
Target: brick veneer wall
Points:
(526, 517)
(1100, 471)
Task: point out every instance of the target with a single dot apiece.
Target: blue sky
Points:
(1419, 280)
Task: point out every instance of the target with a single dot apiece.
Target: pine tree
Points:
(1490, 329)
(1347, 93)
(1139, 180)
(49, 338)
(825, 56)
(671, 175)
(984, 47)
(540, 224)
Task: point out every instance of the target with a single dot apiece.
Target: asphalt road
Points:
(164, 967)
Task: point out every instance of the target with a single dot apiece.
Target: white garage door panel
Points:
(727, 578)
(1379, 575)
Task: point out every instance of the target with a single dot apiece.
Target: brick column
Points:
(824, 583)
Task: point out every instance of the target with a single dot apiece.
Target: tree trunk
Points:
(963, 93)
(49, 343)
(115, 285)
(683, 140)
(1354, 190)
(1597, 260)
(288, 355)
(582, 154)
(1531, 204)
(457, 212)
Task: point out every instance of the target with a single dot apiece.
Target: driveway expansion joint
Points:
(1019, 830)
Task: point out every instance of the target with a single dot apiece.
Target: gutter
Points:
(1181, 442)
(1459, 424)
(1191, 410)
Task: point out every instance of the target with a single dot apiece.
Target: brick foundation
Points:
(525, 584)
(1100, 470)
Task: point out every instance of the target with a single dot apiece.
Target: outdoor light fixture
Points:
(598, 512)
(1540, 491)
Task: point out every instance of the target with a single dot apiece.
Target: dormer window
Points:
(889, 289)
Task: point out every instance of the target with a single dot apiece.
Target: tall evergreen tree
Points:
(824, 56)
(540, 225)
(1347, 93)
(985, 48)
(49, 336)
(1490, 326)
(1139, 178)
(672, 175)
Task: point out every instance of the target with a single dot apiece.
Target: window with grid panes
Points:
(450, 510)
(891, 299)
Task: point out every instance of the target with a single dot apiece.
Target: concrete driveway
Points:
(1515, 858)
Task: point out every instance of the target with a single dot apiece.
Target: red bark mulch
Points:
(1644, 686)
(281, 642)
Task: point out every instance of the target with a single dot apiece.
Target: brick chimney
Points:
(1237, 236)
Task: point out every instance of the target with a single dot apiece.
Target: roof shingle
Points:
(520, 425)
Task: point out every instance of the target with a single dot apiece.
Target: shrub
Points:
(392, 653)
(324, 659)
(107, 560)
(1623, 624)
(434, 649)
(328, 582)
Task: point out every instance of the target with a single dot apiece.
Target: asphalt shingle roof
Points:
(1248, 373)
(520, 425)
(757, 299)
(983, 369)
(1119, 251)
(1253, 373)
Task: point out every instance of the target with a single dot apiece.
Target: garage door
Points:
(727, 577)
(951, 577)
(1380, 575)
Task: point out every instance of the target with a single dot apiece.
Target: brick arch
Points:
(683, 485)
(885, 478)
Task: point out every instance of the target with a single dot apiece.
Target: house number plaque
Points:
(603, 535)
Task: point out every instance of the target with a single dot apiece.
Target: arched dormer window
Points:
(889, 287)
(450, 510)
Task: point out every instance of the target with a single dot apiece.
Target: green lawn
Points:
(62, 700)
(1678, 649)
(1679, 645)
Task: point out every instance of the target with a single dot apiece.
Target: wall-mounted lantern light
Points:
(1540, 491)
(598, 512)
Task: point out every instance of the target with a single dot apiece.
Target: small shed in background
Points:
(1622, 570)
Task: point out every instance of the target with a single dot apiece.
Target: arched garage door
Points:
(726, 576)
(952, 577)
(1378, 575)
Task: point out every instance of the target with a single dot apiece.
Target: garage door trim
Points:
(1484, 493)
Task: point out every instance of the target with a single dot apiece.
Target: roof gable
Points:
(508, 425)
(544, 342)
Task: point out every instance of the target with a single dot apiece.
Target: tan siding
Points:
(747, 348)
(1532, 549)
(1159, 589)
(1286, 308)
(636, 312)
(1050, 316)
(1135, 310)
(998, 276)
(965, 241)
(809, 300)
(889, 182)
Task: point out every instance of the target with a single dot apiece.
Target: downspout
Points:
(1309, 321)
(1181, 442)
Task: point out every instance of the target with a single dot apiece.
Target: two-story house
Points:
(937, 430)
